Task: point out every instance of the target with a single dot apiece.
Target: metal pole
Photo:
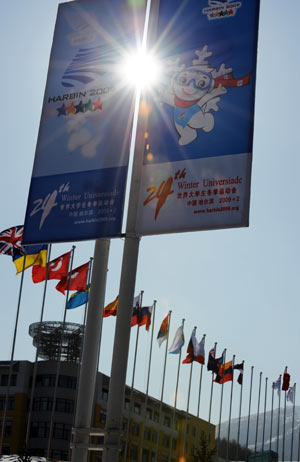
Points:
(37, 349)
(250, 397)
(163, 383)
(90, 354)
(148, 379)
(257, 417)
(59, 354)
(298, 458)
(284, 419)
(211, 391)
(230, 406)
(127, 285)
(293, 422)
(12, 355)
(221, 399)
(271, 425)
(278, 417)
(240, 413)
(200, 383)
(264, 424)
(132, 380)
(188, 404)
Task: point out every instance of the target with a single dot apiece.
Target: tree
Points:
(204, 453)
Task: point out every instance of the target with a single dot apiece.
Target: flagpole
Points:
(284, 418)
(176, 392)
(133, 376)
(264, 424)
(163, 383)
(293, 421)
(271, 425)
(230, 406)
(240, 413)
(59, 353)
(250, 397)
(188, 405)
(37, 348)
(148, 379)
(298, 458)
(278, 417)
(211, 396)
(221, 400)
(257, 417)
(200, 382)
(12, 355)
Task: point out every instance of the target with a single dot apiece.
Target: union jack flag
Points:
(11, 240)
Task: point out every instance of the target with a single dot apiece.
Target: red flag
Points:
(78, 279)
(111, 308)
(225, 373)
(285, 381)
(58, 269)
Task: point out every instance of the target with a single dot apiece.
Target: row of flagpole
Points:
(165, 337)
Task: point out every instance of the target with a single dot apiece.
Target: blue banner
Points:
(80, 169)
(198, 145)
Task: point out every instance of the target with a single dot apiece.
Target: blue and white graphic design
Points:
(79, 175)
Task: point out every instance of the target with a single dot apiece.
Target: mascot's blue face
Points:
(191, 84)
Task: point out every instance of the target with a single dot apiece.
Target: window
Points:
(64, 405)
(61, 431)
(45, 380)
(147, 434)
(154, 436)
(133, 452)
(39, 429)
(104, 394)
(124, 424)
(188, 428)
(10, 404)
(174, 442)
(67, 381)
(165, 441)
(164, 459)
(145, 455)
(102, 417)
(149, 413)
(42, 404)
(135, 429)
(167, 421)
(58, 455)
(194, 431)
(4, 380)
(137, 408)
(156, 417)
(127, 403)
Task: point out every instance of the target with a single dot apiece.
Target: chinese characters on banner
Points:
(198, 143)
(79, 175)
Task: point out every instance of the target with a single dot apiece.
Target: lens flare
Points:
(140, 70)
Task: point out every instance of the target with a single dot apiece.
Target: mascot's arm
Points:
(211, 99)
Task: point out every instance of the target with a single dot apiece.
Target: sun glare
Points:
(141, 70)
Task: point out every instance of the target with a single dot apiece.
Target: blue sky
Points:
(239, 286)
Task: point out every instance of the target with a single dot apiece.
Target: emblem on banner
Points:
(220, 9)
(194, 91)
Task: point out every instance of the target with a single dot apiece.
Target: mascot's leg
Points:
(204, 121)
(188, 135)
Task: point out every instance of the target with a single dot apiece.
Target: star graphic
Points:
(71, 109)
(97, 105)
(88, 106)
(61, 110)
(79, 107)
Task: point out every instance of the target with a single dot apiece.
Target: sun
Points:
(141, 70)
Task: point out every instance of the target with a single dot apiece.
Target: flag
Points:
(111, 308)
(277, 385)
(225, 373)
(76, 279)
(78, 299)
(290, 396)
(11, 240)
(213, 364)
(195, 350)
(178, 341)
(136, 310)
(57, 269)
(285, 381)
(163, 330)
(240, 367)
(35, 255)
(145, 316)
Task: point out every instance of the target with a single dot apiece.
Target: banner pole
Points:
(127, 282)
(257, 417)
(133, 375)
(211, 397)
(221, 400)
(12, 355)
(148, 380)
(59, 353)
(278, 417)
(37, 349)
(240, 413)
(284, 421)
(271, 424)
(230, 407)
(264, 424)
(293, 421)
(188, 405)
(250, 397)
(200, 382)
